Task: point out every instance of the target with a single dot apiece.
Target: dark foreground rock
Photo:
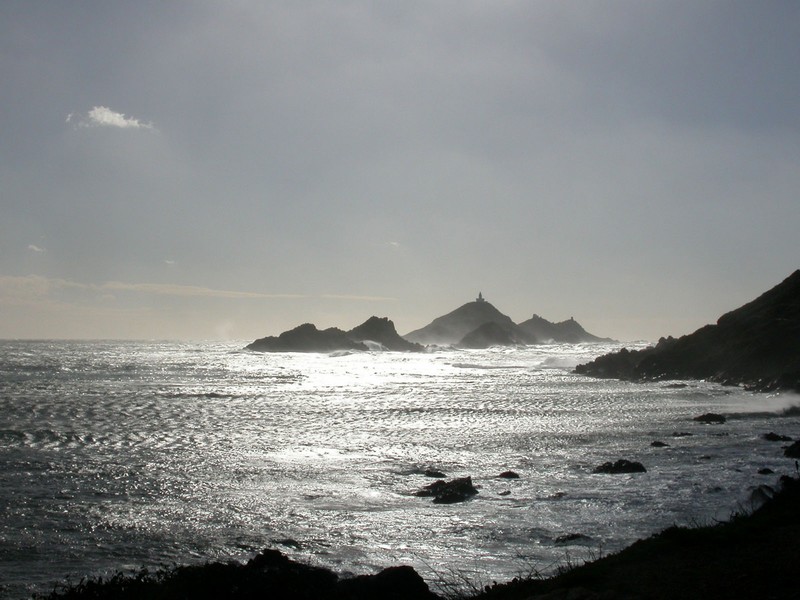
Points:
(268, 575)
(756, 345)
(620, 466)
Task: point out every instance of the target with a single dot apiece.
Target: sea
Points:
(120, 455)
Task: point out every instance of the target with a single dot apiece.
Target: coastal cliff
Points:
(756, 345)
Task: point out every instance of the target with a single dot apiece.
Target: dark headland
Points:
(756, 345)
(474, 325)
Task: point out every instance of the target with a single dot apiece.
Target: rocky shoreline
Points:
(756, 346)
(754, 554)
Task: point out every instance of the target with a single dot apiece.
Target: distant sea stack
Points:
(307, 338)
(569, 332)
(479, 324)
(756, 345)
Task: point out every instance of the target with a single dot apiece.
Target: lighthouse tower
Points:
(480, 297)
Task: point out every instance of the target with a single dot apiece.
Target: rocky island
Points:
(307, 338)
(474, 325)
(479, 324)
(756, 345)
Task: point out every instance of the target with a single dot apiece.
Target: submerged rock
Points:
(449, 492)
(569, 538)
(509, 475)
(434, 474)
(620, 466)
(658, 444)
(710, 418)
(774, 437)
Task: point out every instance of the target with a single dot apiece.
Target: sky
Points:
(229, 170)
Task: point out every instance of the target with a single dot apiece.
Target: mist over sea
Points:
(119, 455)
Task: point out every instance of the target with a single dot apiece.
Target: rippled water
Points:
(118, 455)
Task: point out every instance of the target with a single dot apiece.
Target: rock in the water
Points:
(434, 473)
(658, 444)
(621, 466)
(509, 475)
(774, 437)
(568, 538)
(766, 471)
(449, 492)
(710, 418)
(792, 451)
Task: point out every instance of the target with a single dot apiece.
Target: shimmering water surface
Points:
(118, 455)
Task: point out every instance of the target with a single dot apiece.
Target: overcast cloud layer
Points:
(206, 169)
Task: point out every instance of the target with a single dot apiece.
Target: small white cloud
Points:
(35, 248)
(102, 116)
(169, 262)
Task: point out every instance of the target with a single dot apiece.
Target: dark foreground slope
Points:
(752, 556)
(757, 345)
